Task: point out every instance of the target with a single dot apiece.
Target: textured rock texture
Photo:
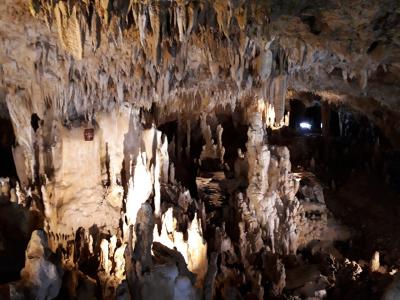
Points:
(142, 141)
(40, 278)
(222, 51)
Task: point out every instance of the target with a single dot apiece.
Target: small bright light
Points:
(305, 125)
(321, 125)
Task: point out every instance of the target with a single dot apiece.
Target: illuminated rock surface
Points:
(199, 149)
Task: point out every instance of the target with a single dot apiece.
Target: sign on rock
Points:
(88, 134)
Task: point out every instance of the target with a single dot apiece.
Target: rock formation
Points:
(154, 149)
(40, 278)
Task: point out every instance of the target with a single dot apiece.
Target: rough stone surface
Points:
(40, 277)
(142, 141)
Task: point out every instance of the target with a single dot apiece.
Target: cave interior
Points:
(199, 149)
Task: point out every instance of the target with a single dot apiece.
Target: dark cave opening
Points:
(7, 140)
(169, 129)
(16, 221)
(35, 122)
(313, 116)
(16, 226)
(234, 137)
(359, 169)
(305, 119)
(184, 162)
(339, 138)
(297, 111)
(334, 123)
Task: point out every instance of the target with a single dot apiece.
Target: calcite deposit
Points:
(199, 149)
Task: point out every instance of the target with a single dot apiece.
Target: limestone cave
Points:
(199, 149)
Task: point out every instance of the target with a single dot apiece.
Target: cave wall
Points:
(125, 68)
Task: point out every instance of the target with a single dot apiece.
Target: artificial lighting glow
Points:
(305, 125)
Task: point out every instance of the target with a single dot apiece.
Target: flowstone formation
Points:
(156, 152)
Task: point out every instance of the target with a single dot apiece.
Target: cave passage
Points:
(210, 165)
(7, 140)
(200, 150)
(16, 222)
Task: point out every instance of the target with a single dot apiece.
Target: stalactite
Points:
(89, 88)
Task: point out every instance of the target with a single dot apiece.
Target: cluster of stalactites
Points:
(174, 51)
(151, 20)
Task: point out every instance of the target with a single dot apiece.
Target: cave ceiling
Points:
(79, 57)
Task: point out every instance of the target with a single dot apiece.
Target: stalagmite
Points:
(194, 250)
(374, 265)
(41, 277)
(140, 188)
(4, 187)
(105, 263)
(112, 246)
(197, 251)
(120, 262)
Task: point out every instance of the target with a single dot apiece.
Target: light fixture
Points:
(305, 125)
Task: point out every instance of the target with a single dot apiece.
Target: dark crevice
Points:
(7, 140)
(312, 23)
(373, 46)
